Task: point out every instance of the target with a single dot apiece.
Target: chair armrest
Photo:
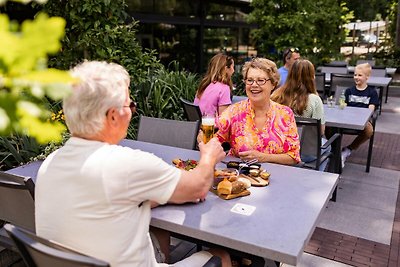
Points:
(330, 141)
(300, 164)
(214, 261)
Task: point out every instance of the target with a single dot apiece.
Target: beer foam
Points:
(208, 121)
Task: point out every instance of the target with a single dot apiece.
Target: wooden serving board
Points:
(255, 181)
(231, 196)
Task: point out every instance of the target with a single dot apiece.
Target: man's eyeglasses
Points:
(258, 81)
(132, 106)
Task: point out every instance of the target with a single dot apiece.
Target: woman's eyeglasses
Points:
(258, 81)
(132, 106)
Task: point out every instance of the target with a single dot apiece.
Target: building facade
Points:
(192, 31)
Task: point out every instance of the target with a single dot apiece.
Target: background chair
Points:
(361, 61)
(16, 204)
(337, 63)
(320, 84)
(181, 134)
(310, 142)
(378, 71)
(311, 147)
(343, 80)
(192, 112)
(40, 252)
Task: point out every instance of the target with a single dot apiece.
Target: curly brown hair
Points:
(268, 66)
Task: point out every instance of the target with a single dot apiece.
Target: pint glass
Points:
(207, 126)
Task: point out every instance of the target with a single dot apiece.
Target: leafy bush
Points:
(97, 30)
(159, 95)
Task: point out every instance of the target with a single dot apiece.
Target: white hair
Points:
(100, 86)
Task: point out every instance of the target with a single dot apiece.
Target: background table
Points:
(347, 118)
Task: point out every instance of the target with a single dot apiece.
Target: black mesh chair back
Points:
(40, 252)
(174, 133)
(192, 111)
(340, 80)
(320, 84)
(17, 204)
(378, 72)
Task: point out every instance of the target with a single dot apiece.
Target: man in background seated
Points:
(95, 196)
(290, 55)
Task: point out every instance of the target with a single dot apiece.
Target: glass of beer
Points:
(207, 126)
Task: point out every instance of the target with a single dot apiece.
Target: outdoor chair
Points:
(192, 112)
(16, 204)
(175, 133)
(310, 143)
(320, 84)
(336, 63)
(378, 71)
(311, 147)
(374, 116)
(40, 252)
(361, 61)
(344, 80)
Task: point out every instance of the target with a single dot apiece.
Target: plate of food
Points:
(188, 164)
(227, 189)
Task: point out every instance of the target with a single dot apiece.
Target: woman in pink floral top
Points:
(259, 128)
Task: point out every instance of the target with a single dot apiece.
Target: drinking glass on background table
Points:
(207, 126)
(330, 101)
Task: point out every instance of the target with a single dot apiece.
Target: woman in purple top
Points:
(214, 93)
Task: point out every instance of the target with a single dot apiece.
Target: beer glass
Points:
(207, 126)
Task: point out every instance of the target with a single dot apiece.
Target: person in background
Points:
(290, 55)
(299, 93)
(214, 93)
(364, 96)
(95, 196)
(258, 128)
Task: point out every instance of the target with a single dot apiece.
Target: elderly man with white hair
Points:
(94, 195)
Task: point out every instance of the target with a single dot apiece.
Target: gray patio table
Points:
(280, 217)
(352, 118)
(348, 118)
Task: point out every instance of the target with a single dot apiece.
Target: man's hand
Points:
(212, 152)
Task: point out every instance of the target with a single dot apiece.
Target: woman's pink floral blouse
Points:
(279, 135)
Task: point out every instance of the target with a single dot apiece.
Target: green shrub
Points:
(159, 95)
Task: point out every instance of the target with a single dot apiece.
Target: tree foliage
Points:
(25, 80)
(369, 10)
(313, 26)
(98, 30)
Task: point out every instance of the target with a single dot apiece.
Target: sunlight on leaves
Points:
(25, 80)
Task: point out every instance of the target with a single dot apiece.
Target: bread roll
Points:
(238, 187)
(245, 181)
(224, 187)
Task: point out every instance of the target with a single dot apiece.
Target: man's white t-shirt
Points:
(93, 197)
